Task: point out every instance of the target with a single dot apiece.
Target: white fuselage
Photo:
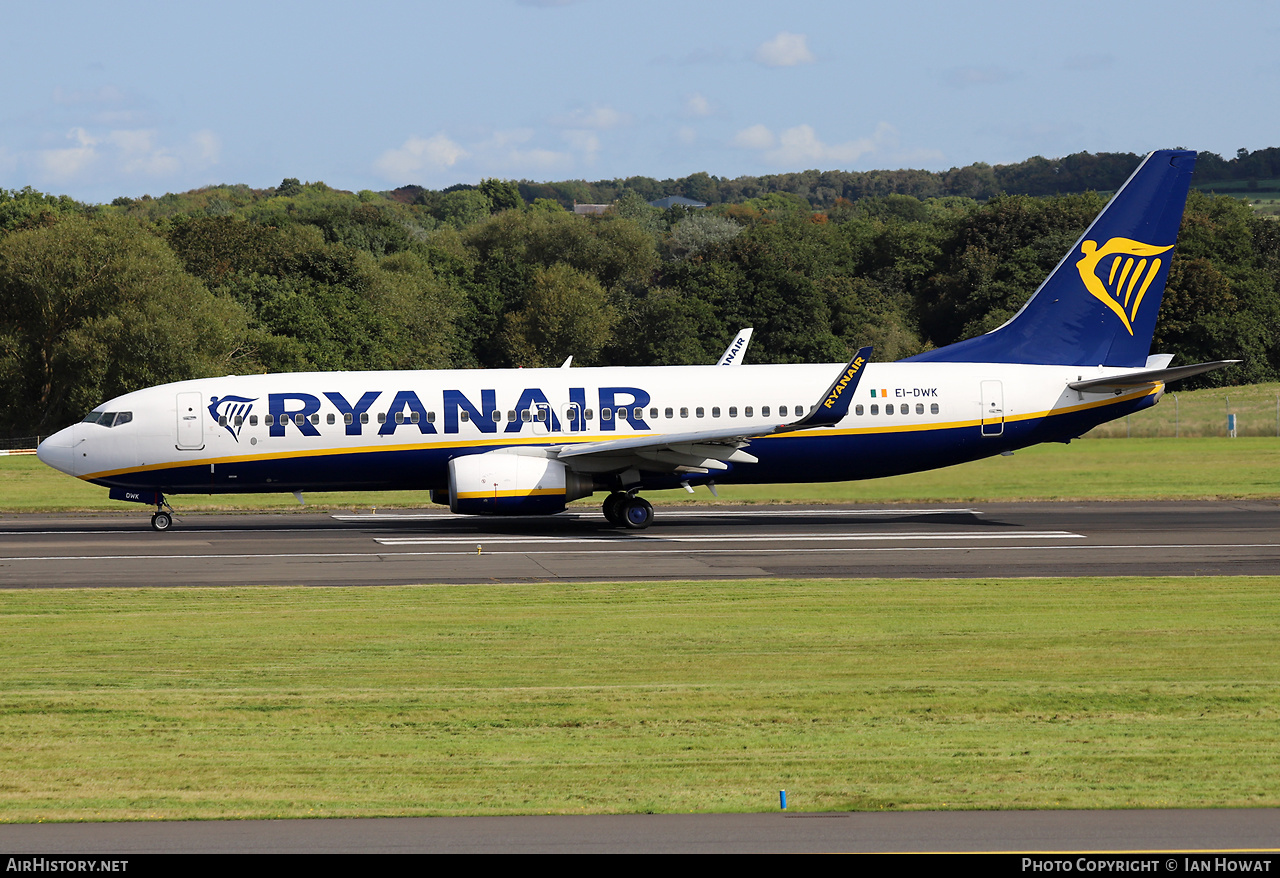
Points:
(352, 430)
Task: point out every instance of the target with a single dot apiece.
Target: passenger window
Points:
(588, 415)
(888, 410)
(933, 408)
(315, 419)
(253, 420)
(875, 409)
(746, 412)
(857, 409)
(364, 417)
(511, 415)
(542, 415)
(653, 413)
(782, 411)
(431, 418)
(347, 419)
(799, 411)
(668, 413)
(715, 411)
(382, 417)
(701, 412)
(464, 416)
(733, 411)
(606, 414)
(764, 411)
(222, 421)
(919, 408)
(299, 419)
(684, 411)
(637, 414)
(270, 420)
(414, 418)
(525, 416)
(399, 417)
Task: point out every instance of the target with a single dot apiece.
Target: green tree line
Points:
(97, 300)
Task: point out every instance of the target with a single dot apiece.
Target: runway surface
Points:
(992, 831)
(324, 549)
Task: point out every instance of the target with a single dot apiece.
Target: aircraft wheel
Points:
(161, 521)
(637, 513)
(612, 507)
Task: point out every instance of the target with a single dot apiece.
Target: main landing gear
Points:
(628, 510)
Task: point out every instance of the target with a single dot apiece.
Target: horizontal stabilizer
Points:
(1146, 378)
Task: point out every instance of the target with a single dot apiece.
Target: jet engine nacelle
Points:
(501, 483)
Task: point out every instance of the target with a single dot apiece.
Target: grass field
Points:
(1202, 413)
(667, 697)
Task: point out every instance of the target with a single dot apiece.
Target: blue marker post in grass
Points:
(782, 799)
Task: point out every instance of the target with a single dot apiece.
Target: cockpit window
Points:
(108, 419)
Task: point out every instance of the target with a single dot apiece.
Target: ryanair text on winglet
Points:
(843, 382)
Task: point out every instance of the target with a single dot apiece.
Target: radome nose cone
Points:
(56, 452)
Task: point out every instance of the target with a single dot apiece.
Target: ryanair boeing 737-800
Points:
(528, 441)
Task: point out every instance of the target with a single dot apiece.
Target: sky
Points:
(100, 100)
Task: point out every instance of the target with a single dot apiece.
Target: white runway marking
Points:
(662, 512)
(602, 552)
(727, 538)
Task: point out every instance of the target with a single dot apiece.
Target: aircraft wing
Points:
(704, 450)
(1146, 378)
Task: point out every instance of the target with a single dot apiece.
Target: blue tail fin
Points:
(1098, 307)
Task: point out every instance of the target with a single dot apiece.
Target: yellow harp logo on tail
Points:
(1128, 267)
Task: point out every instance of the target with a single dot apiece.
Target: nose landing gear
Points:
(162, 518)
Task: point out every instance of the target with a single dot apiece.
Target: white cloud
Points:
(801, 146)
(697, 105)
(419, 154)
(785, 50)
(62, 165)
(755, 137)
(138, 154)
(587, 143)
(511, 152)
(132, 152)
(206, 146)
(686, 135)
(599, 118)
(507, 150)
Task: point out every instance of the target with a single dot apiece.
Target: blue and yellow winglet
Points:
(834, 404)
